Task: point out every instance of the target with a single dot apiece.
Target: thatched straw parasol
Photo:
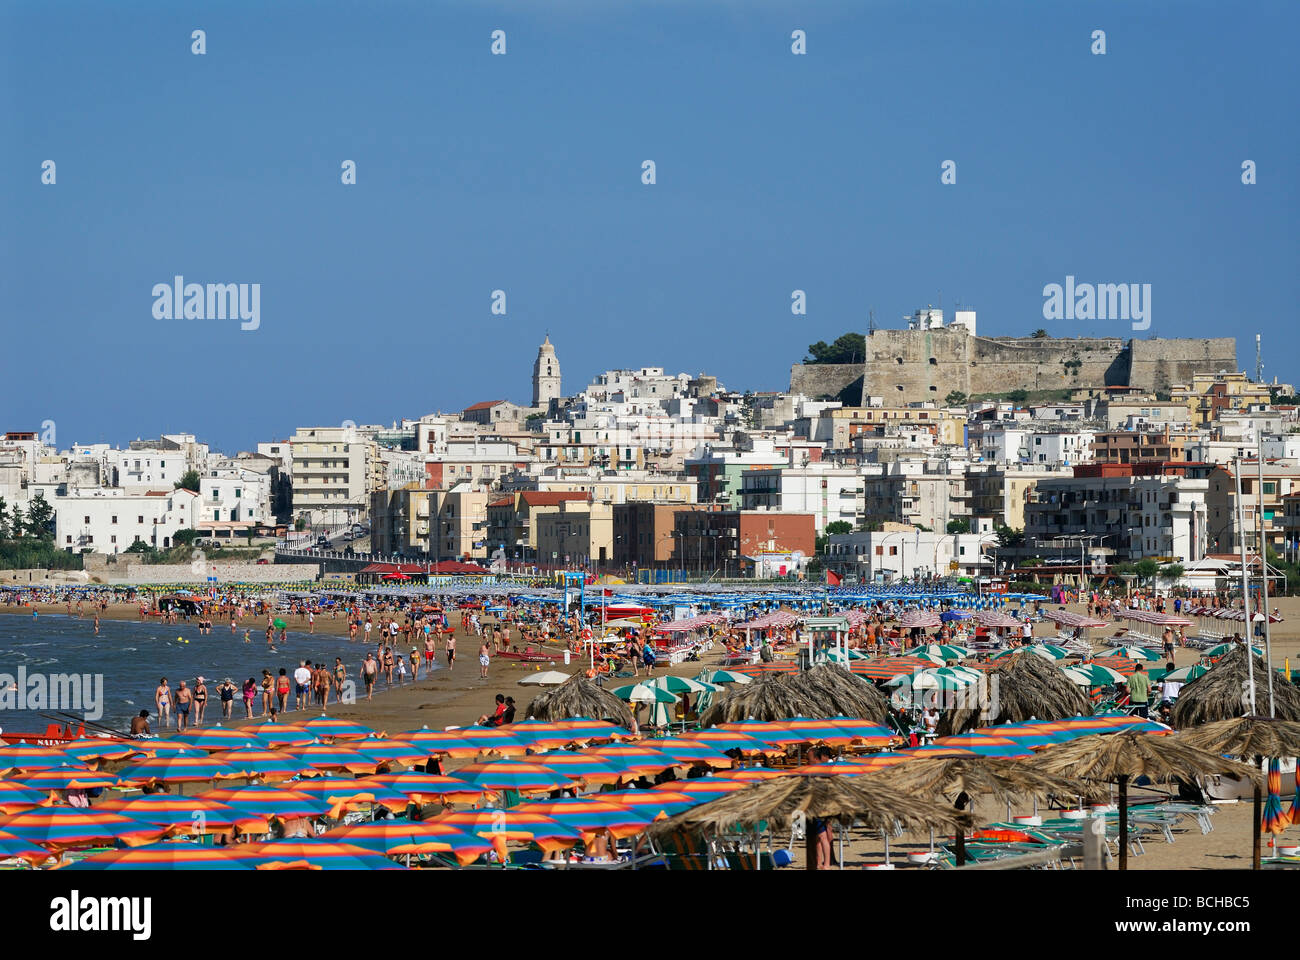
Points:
(1023, 686)
(823, 691)
(964, 778)
(579, 697)
(1220, 693)
(1118, 757)
(782, 799)
(1256, 737)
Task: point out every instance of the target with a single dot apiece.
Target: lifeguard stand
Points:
(825, 633)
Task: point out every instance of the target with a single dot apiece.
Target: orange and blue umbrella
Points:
(261, 762)
(864, 732)
(314, 854)
(502, 826)
(334, 756)
(69, 777)
(346, 793)
(61, 827)
(728, 740)
(202, 815)
(583, 766)
(690, 751)
(429, 787)
(983, 745)
(497, 739)
(336, 729)
(835, 768)
(1274, 820)
(751, 773)
(12, 846)
(166, 748)
(708, 788)
(221, 738)
(587, 730)
(811, 730)
(541, 733)
(636, 758)
(99, 748)
(30, 756)
(657, 803)
(592, 816)
(179, 770)
(513, 775)
(169, 855)
(387, 751)
(448, 743)
(269, 801)
(398, 837)
(16, 796)
(282, 734)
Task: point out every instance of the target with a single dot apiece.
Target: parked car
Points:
(322, 541)
(263, 560)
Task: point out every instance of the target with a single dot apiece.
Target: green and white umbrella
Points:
(837, 656)
(942, 651)
(643, 693)
(1223, 648)
(940, 678)
(1136, 654)
(1048, 650)
(725, 676)
(544, 678)
(1187, 674)
(1094, 675)
(684, 685)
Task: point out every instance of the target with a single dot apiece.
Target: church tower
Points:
(546, 376)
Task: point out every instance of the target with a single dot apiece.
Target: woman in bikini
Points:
(282, 690)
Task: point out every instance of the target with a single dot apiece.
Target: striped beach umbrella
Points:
(423, 788)
(1094, 675)
(684, 685)
(643, 693)
(541, 734)
(1215, 653)
(1121, 665)
(864, 732)
(58, 828)
(1137, 654)
(69, 777)
(591, 816)
(886, 668)
(751, 774)
(390, 751)
(493, 739)
(943, 652)
(346, 793)
(269, 801)
(1187, 674)
(706, 787)
(583, 766)
(263, 763)
(199, 814)
(168, 855)
(99, 748)
(29, 756)
(499, 775)
(588, 730)
(724, 740)
(725, 676)
(217, 737)
(335, 756)
(636, 758)
(282, 734)
(179, 770)
(836, 768)
(691, 752)
(396, 837)
(314, 854)
(12, 846)
(503, 826)
(332, 728)
(15, 797)
(757, 671)
(658, 803)
(1274, 820)
(447, 743)
(166, 748)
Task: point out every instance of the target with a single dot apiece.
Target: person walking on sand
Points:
(483, 660)
(226, 693)
(250, 695)
(200, 701)
(302, 680)
(415, 665)
(340, 677)
(282, 690)
(451, 651)
(162, 698)
(369, 670)
(184, 698)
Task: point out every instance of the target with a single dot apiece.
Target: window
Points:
(87, 519)
(1270, 486)
(139, 519)
(114, 518)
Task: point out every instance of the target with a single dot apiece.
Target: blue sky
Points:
(522, 173)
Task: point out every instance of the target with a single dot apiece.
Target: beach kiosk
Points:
(827, 633)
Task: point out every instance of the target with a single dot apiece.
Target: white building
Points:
(885, 556)
(109, 520)
(147, 468)
(233, 496)
(829, 493)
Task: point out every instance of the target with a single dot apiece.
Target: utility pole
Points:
(1245, 585)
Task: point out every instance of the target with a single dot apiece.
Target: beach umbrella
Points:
(96, 748)
(314, 854)
(578, 698)
(653, 803)
(684, 685)
(943, 652)
(725, 740)
(12, 846)
(502, 826)
(492, 740)
(1221, 694)
(29, 756)
(1121, 757)
(335, 756)
(268, 801)
(1094, 675)
(57, 828)
(279, 624)
(497, 775)
(16, 796)
(396, 837)
(583, 766)
(168, 855)
(886, 668)
(690, 752)
(389, 750)
(1274, 819)
(332, 728)
(864, 732)
(260, 762)
(540, 734)
(1138, 654)
(725, 676)
(218, 738)
(643, 693)
(68, 777)
(636, 758)
(422, 788)
(166, 748)
(702, 786)
(960, 779)
(751, 773)
(200, 815)
(799, 797)
(985, 745)
(588, 731)
(1226, 648)
(950, 615)
(544, 678)
(345, 794)
(591, 816)
(179, 770)
(448, 743)
(1027, 687)
(1187, 674)
(282, 734)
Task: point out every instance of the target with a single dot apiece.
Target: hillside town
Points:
(659, 477)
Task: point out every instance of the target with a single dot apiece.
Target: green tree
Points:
(1171, 572)
(189, 481)
(40, 519)
(849, 348)
(185, 537)
(1008, 537)
(1018, 396)
(1039, 334)
(960, 525)
(839, 526)
(1146, 568)
(955, 399)
(17, 525)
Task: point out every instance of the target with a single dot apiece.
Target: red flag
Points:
(832, 578)
(607, 593)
